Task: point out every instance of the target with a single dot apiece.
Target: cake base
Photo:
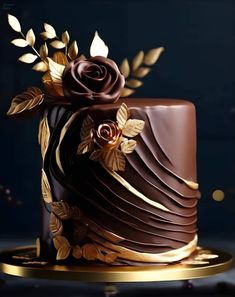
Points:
(203, 263)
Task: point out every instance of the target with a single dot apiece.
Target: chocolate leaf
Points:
(56, 226)
(141, 72)
(43, 51)
(73, 50)
(90, 252)
(20, 42)
(61, 209)
(128, 146)
(125, 92)
(125, 68)
(30, 37)
(77, 252)
(153, 55)
(122, 115)
(44, 136)
(114, 160)
(85, 146)
(137, 61)
(63, 247)
(26, 103)
(60, 58)
(41, 66)
(28, 58)
(46, 189)
(87, 125)
(14, 23)
(133, 127)
(134, 83)
(110, 257)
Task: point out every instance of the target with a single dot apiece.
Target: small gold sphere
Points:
(218, 195)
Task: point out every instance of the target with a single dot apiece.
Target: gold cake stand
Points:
(203, 263)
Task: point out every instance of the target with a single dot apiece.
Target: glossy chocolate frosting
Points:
(164, 158)
(96, 80)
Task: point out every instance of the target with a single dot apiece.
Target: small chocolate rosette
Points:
(96, 80)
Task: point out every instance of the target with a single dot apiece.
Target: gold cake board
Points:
(203, 263)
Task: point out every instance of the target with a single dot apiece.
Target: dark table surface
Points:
(219, 285)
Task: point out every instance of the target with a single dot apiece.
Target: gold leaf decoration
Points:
(142, 72)
(49, 85)
(125, 68)
(56, 226)
(57, 44)
(49, 29)
(46, 189)
(138, 60)
(73, 50)
(125, 92)
(14, 23)
(90, 252)
(47, 35)
(61, 209)
(28, 58)
(85, 146)
(87, 126)
(122, 115)
(44, 136)
(60, 58)
(43, 51)
(30, 37)
(20, 42)
(114, 160)
(63, 247)
(40, 66)
(65, 37)
(26, 103)
(128, 146)
(133, 127)
(56, 72)
(77, 252)
(153, 55)
(134, 83)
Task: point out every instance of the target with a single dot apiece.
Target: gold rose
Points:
(139, 68)
(114, 157)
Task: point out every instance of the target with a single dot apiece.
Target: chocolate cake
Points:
(143, 214)
(119, 183)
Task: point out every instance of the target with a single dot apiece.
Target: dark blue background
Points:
(198, 64)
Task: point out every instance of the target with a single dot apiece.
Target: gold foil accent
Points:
(44, 136)
(46, 189)
(192, 185)
(62, 134)
(130, 188)
(166, 257)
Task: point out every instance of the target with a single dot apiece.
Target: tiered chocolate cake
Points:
(119, 179)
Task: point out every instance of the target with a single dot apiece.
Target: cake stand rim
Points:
(114, 274)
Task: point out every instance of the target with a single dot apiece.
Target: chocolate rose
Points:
(107, 135)
(97, 80)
